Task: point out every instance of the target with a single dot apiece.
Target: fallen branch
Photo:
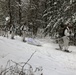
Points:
(28, 60)
(16, 63)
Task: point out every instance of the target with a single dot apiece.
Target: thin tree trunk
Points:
(19, 11)
(9, 6)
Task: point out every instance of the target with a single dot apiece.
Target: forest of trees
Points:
(44, 14)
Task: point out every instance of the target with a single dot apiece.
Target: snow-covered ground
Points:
(54, 62)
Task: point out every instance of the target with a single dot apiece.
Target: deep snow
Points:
(54, 62)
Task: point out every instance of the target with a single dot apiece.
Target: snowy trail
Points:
(54, 62)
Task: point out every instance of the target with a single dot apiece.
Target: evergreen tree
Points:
(58, 11)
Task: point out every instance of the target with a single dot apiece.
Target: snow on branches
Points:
(14, 68)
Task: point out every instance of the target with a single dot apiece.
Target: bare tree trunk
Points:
(9, 6)
(19, 11)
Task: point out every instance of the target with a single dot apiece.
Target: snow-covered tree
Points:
(58, 11)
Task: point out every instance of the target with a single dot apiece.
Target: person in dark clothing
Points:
(66, 32)
(61, 34)
(13, 30)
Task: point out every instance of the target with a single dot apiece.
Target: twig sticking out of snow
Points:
(14, 68)
(28, 59)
